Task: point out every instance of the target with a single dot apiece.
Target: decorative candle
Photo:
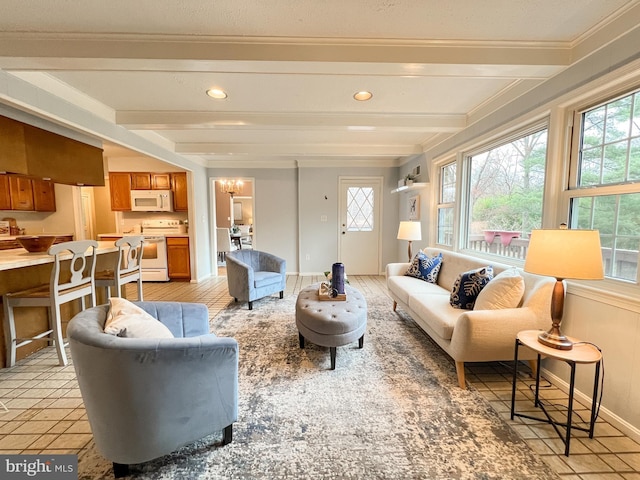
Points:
(337, 279)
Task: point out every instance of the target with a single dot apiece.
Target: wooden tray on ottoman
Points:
(324, 294)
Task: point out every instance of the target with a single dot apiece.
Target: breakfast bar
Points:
(20, 270)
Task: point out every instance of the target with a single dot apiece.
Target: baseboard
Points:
(619, 423)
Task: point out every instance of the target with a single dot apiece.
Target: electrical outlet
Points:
(307, 257)
(323, 218)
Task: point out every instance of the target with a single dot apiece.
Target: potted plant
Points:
(408, 179)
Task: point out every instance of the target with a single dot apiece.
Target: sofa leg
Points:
(120, 470)
(460, 371)
(250, 305)
(361, 341)
(395, 304)
(332, 351)
(301, 338)
(533, 364)
(227, 435)
(281, 294)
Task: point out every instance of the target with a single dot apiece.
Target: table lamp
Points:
(563, 254)
(410, 231)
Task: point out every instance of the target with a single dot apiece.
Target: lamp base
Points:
(555, 339)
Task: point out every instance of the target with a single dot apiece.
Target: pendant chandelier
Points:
(232, 187)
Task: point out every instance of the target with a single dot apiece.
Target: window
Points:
(605, 195)
(504, 193)
(360, 209)
(446, 201)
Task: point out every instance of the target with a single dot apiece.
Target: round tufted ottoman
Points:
(331, 323)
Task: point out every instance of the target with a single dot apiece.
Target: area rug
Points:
(392, 410)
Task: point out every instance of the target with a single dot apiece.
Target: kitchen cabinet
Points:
(140, 181)
(5, 195)
(179, 187)
(44, 196)
(120, 191)
(160, 181)
(21, 193)
(178, 259)
(150, 181)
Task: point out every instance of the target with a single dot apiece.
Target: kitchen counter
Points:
(20, 270)
(19, 257)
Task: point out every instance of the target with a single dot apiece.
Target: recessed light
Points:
(363, 96)
(217, 93)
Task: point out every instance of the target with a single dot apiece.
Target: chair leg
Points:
(250, 305)
(56, 326)
(120, 470)
(227, 435)
(460, 371)
(281, 294)
(395, 304)
(140, 290)
(9, 332)
(332, 352)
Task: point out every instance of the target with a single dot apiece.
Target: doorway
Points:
(360, 215)
(228, 210)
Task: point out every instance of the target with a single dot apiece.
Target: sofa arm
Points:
(396, 269)
(240, 278)
(487, 335)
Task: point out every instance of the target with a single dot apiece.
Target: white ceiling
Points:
(291, 67)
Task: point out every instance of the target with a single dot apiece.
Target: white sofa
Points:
(470, 335)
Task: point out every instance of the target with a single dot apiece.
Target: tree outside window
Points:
(505, 194)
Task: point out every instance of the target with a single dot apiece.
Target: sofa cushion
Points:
(468, 285)
(124, 319)
(425, 267)
(504, 291)
(437, 312)
(403, 287)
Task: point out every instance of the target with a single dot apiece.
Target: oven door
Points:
(154, 260)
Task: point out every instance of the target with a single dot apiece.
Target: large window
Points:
(605, 194)
(504, 194)
(447, 197)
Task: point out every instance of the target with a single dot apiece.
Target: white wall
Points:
(603, 316)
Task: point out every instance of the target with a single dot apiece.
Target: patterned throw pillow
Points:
(468, 285)
(425, 267)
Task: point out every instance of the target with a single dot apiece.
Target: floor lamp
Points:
(410, 231)
(563, 254)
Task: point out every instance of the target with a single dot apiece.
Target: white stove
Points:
(163, 227)
(154, 257)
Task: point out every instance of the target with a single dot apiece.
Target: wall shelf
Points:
(408, 188)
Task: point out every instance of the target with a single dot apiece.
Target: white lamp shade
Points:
(564, 253)
(410, 231)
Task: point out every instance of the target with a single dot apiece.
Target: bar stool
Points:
(69, 281)
(127, 269)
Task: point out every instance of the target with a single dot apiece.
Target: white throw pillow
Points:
(505, 290)
(125, 319)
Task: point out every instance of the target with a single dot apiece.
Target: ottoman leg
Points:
(332, 350)
(361, 341)
(301, 338)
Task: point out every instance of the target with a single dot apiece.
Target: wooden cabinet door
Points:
(5, 194)
(178, 258)
(21, 193)
(161, 181)
(44, 195)
(140, 181)
(179, 187)
(120, 191)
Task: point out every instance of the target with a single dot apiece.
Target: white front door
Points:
(360, 224)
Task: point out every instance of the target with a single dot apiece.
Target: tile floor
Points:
(45, 411)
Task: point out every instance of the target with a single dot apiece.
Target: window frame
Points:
(574, 191)
(441, 205)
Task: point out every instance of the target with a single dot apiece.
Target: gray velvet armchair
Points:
(148, 397)
(252, 274)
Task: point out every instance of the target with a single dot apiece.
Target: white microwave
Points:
(151, 201)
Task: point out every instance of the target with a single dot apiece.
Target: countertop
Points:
(172, 235)
(19, 257)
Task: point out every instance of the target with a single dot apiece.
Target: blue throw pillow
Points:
(468, 285)
(425, 267)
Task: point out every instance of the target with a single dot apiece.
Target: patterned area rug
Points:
(391, 410)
